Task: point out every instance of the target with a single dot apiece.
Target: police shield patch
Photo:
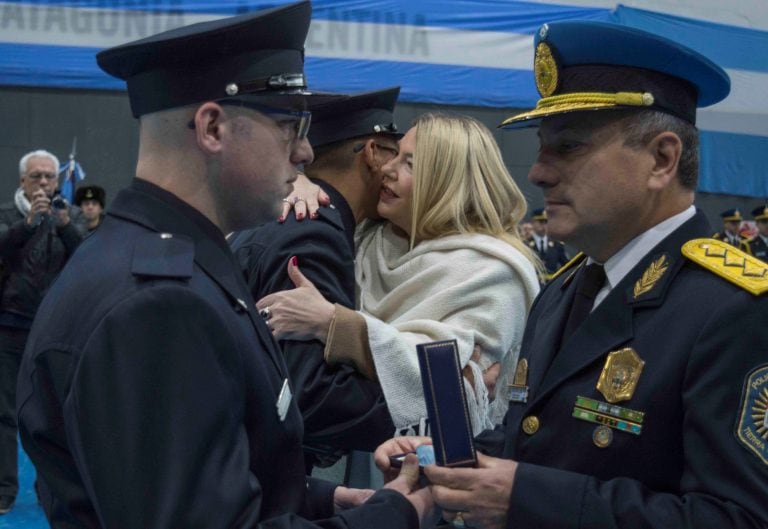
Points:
(752, 428)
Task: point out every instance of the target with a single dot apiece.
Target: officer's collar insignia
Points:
(752, 428)
(546, 70)
(518, 389)
(651, 276)
(620, 375)
(730, 263)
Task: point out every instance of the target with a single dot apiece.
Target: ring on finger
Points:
(265, 313)
(299, 199)
(458, 520)
(287, 201)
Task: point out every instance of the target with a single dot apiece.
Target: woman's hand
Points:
(299, 314)
(305, 199)
(490, 373)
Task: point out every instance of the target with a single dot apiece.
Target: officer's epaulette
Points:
(730, 263)
(579, 257)
(163, 255)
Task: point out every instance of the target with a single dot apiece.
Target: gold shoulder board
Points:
(730, 263)
(570, 264)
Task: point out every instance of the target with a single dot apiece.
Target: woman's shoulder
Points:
(492, 254)
(474, 244)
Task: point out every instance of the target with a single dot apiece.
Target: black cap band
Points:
(169, 87)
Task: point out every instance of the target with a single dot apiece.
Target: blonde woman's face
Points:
(396, 196)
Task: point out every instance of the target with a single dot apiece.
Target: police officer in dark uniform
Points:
(731, 223)
(639, 400)
(757, 246)
(151, 393)
(352, 140)
(92, 201)
(551, 253)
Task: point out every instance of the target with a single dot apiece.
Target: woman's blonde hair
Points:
(461, 185)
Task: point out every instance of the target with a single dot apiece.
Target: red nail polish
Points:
(281, 219)
(294, 261)
(300, 216)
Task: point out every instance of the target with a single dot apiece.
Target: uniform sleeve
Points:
(723, 484)
(340, 407)
(155, 421)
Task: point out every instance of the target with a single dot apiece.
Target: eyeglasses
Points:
(295, 123)
(39, 176)
(391, 150)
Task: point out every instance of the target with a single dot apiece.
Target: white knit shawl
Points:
(474, 288)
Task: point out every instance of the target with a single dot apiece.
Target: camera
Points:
(58, 203)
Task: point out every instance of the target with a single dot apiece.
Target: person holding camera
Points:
(37, 236)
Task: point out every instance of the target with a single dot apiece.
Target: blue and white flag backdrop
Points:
(468, 52)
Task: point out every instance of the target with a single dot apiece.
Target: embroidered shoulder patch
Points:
(752, 428)
(730, 263)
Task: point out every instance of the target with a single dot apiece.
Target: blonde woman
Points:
(447, 263)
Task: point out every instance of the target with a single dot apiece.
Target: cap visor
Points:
(532, 118)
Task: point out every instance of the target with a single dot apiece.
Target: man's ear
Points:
(369, 153)
(207, 121)
(666, 149)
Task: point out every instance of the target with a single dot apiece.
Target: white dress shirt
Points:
(625, 259)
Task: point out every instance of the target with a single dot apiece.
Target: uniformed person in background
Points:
(731, 223)
(641, 401)
(352, 139)
(758, 245)
(551, 253)
(526, 231)
(151, 393)
(92, 201)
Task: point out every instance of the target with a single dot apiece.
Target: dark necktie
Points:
(588, 284)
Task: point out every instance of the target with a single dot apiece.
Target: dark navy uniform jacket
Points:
(686, 469)
(553, 255)
(722, 236)
(341, 408)
(756, 246)
(148, 389)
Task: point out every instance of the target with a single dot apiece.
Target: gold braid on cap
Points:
(595, 100)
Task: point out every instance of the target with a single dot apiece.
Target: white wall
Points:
(744, 13)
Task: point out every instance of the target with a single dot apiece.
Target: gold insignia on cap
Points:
(730, 263)
(545, 70)
(89, 193)
(651, 276)
(620, 375)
